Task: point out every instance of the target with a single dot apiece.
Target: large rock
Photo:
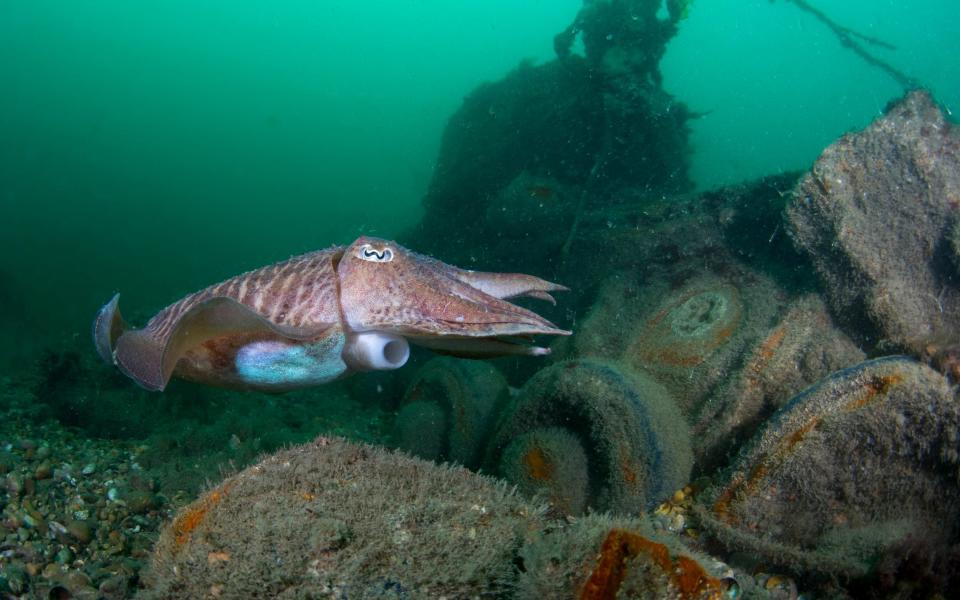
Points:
(875, 214)
(334, 519)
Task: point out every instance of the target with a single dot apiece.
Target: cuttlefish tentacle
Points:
(509, 285)
(317, 317)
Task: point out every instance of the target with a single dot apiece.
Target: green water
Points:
(153, 149)
(156, 148)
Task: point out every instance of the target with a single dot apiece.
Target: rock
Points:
(43, 471)
(115, 587)
(6, 462)
(875, 214)
(140, 501)
(80, 531)
(18, 582)
(297, 522)
(13, 485)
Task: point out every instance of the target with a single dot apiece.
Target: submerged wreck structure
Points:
(536, 149)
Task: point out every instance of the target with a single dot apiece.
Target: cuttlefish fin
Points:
(150, 359)
(107, 327)
(510, 285)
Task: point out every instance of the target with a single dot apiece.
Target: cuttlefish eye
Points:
(373, 254)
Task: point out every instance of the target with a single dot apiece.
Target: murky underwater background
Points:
(155, 150)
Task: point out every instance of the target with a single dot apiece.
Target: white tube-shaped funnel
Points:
(375, 351)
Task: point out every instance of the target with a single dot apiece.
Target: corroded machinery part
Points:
(634, 438)
(687, 329)
(335, 519)
(599, 557)
(875, 215)
(551, 463)
(801, 349)
(845, 472)
(448, 410)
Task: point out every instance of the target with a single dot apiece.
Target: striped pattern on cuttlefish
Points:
(321, 316)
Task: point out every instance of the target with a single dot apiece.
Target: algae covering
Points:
(746, 216)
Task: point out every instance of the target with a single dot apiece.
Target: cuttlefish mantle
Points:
(324, 315)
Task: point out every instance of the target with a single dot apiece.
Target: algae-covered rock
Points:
(848, 469)
(331, 518)
(875, 216)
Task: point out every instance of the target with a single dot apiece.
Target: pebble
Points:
(13, 485)
(44, 470)
(88, 469)
(16, 576)
(80, 531)
(140, 501)
(114, 587)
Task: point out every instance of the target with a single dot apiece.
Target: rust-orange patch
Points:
(764, 355)
(681, 353)
(771, 459)
(186, 522)
(627, 468)
(539, 467)
(620, 545)
(877, 386)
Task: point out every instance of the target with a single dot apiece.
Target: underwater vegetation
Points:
(332, 518)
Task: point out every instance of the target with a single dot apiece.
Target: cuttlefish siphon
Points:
(321, 316)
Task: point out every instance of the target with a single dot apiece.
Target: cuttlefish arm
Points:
(508, 285)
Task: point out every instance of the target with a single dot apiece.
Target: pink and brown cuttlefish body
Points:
(323, 315)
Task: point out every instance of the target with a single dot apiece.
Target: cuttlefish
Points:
(324, 315)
